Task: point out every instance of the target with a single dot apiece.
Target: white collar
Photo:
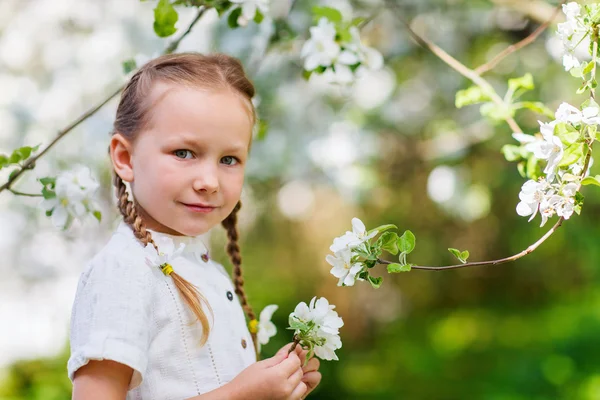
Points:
(193, 244)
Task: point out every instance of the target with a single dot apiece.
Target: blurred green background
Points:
(391, 149)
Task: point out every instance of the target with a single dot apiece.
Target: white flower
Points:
(532, 195)
(551, 148)
(571, 10)
(321, 49)
(167, 250)
(568, 113)
(74, 190)
(322, 327)
(343, 268)
(351, 240)
(368, 56)
(570, 62)
(249, 8)
(530, 142)
(266, 328)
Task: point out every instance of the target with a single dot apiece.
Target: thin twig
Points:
(482, 69)
(15, 192)
(460, 68)
(31, 161)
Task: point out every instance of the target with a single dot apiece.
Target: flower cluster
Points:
(249, 9)
(561, 145)
(345, 268)
(69, 196)
(316, 327)
(340, 59)
(576, 31)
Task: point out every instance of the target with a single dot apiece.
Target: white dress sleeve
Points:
(112, 313)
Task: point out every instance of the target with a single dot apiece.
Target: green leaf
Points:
(98, 215)
(496, 112)
(306, 74)
(591, 130)
(3, 161)
(232, 20)
(48, 193)
(357, 21)
(128, 66)
(407, 242)
(332, 14)
(512, 152)
(591, 180)
(465, 255)
(471, 95)
(521, 168)
(572, 154)
(587, 68)
(462, 256)
(297, 324)
(13, 174)
(389, 242)
(525, 82)
(382, 228)
(258, 17)
(375, 282)
(535, 106)
(165, 18)
(578, 203)
(14, 158)
(566, 133)
(344, 35)
(48, 181)
(534, 171)
(395, 268)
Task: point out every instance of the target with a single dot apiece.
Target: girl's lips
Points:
(197, 208)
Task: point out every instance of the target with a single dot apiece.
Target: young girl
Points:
(154, 317)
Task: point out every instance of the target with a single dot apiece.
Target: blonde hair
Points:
(211, 71)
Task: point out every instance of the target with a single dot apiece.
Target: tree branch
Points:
(482, 69)
(457, 66)
(30, 163)
(511, 258)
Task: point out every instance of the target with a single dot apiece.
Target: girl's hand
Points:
(311, 375)
(275, 378)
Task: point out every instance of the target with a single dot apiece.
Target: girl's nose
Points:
(206, 180)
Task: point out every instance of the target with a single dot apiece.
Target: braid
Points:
(233, 250)
(190, 293)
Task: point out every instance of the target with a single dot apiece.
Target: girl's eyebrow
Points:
(189, 141)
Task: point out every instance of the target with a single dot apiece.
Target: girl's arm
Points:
(105, 379)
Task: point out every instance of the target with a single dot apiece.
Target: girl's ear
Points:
(120, 155)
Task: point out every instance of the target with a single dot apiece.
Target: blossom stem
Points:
(31, 161)
(482, 69)
(17, 193)
(296, 342)
(594, 55)
(460, 68)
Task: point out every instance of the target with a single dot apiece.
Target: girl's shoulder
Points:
(121, 259)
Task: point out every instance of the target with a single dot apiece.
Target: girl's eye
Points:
(231, 158)
(183, 154)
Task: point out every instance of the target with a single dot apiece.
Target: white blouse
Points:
(126, 311)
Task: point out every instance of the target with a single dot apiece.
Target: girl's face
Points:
(192, 153)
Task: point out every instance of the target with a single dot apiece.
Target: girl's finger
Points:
(312, 365)
(299, 391)
(312, 379)
(296, 377)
